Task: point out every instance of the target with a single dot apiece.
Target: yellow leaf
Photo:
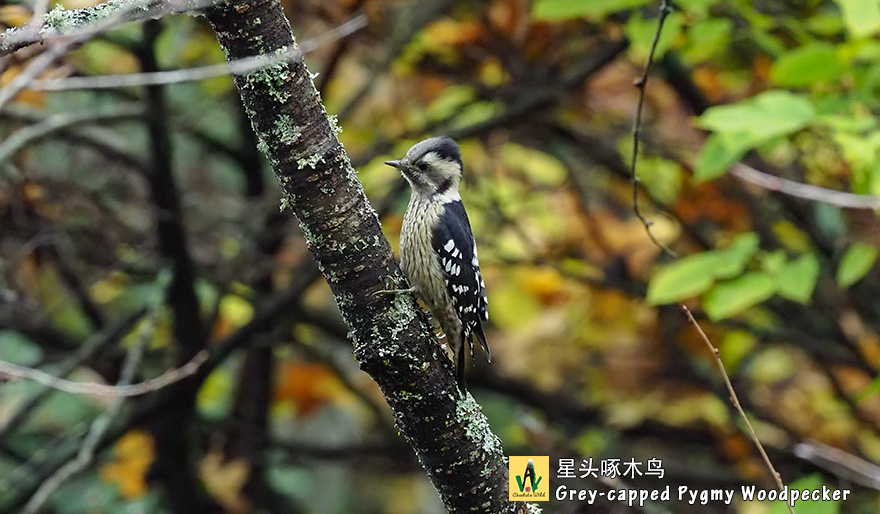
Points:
(224, 479)
(309, 386)
(234, 312)
(14, 15)
(34, 98)
(544, 282)
(133, 455)
(448, 32)
(109, 288)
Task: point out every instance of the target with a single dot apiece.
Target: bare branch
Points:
(60, 23)
(805, 191)
(665, 10)
(99, 426)
(171, 376)
(87, 350)
(237, 67)
(839, 462)
(59, 122)
(44, 60)
(641, 83)
(716, 354)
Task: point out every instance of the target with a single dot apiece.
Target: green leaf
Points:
(855, 264)
(18, 349)
(707, 39)
(718, 154)
(772, 262)
(538, 166)
(734, 296)
(733, 259)
(695, 7)
(807, 65)
(735, 346)
(796, 279)
(450, 101)
(829, 220)
(768, 115)
(567, 9)
(825, 23)
(861, 17)
(683, 279)
(695, 274)
(661, 177)
(847, 122)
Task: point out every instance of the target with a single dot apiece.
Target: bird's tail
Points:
(459, 368)
(481, 337)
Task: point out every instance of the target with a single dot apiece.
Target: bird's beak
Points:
(399, 164)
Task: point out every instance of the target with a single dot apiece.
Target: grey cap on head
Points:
(445, 147)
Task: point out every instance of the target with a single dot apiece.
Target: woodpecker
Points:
(438, 252)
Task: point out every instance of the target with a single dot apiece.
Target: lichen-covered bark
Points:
(392, 339)
(60, 21)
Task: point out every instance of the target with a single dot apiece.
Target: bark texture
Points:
(392, 340)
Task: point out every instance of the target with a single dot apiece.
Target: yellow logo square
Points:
(529, 478)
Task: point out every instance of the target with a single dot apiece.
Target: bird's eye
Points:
(422, 166)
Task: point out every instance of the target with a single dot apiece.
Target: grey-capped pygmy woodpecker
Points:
(438, 252)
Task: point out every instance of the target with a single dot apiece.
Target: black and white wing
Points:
(454, 243)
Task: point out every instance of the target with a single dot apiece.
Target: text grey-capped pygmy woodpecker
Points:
(438, 252)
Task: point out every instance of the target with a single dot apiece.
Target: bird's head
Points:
(432, 166)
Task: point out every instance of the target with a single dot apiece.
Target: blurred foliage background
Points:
(593, 357)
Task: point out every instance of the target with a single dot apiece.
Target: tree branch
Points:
(98, 428)
(392, 340)
(60, 23)
(175, 462)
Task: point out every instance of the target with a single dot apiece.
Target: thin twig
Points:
(77, 22)
(59, 122)
(840, 463)
(109, 391)
(61, 47)
(88, 349)
(716, 354)
(98, 427)
(641, 83)
(806, 191)
(332, 63)
(238, 67)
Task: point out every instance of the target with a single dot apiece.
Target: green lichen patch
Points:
(402, 313)
(334, 123)
(262, 146)
(476, 426)
(64, 21)
(308, 162)
(285, 204)
(315, 239)
(272, 80)
(408, 396)
(285, 130)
